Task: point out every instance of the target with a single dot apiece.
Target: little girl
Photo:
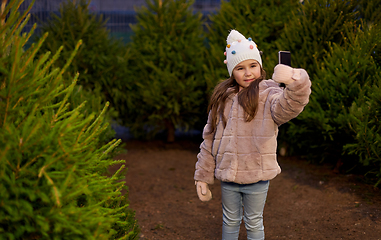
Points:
(239, 146)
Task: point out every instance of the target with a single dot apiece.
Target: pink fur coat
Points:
(245, 152)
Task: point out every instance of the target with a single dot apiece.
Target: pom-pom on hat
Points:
(239, 49)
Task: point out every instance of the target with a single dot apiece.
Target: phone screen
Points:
(284, 58)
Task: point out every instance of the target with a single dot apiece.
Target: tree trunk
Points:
(170, 127)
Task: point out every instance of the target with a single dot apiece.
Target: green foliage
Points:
(364, 115)
(94, 104)
(261, 20)
(344, 88)
(102, 61)
(338, 42)
(314, 25)
(53, 169)
(370, 10)
(364, 120)
(169, 52)
(370, 13)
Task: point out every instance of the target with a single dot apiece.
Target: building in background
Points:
(119, 13)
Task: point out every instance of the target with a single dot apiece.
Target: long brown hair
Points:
(247, 98)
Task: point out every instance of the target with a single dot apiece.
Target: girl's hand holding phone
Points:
(284, 74)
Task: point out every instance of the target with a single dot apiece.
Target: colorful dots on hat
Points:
(225, 53)
(228, 46)
(226, 61)
(250, 39)
(251, 47)
(233, 52)
(239, 40)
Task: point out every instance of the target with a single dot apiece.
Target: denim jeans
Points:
(249, 199)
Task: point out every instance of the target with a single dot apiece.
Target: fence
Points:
(119, 13)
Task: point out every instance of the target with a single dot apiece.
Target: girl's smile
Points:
(246, 72)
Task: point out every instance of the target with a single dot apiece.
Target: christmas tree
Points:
(364, 121)
(101, 60)
(263, 21)
(342, 113)
(168, 50)
(363, 117)
(54, 176)
(313, 26)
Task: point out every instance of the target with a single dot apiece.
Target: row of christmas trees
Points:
(176, 58)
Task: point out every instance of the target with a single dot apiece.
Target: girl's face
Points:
(246, 72)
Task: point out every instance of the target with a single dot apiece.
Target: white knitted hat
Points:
(239, 49)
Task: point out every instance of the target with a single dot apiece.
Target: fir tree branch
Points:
(69, 91)
(114, 145)
(89, 118)
(33, 54)
(71, 57)
(98, 118)
(2, 20)
(50, 181)
(47, 66)
(20, 99)
(17, 25)
(27, 36)
(33, 160)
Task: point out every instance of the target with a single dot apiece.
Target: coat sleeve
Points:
(290, 102)
(205, 165)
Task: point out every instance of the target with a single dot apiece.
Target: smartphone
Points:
(284, 57)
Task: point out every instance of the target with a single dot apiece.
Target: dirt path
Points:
(304, 201)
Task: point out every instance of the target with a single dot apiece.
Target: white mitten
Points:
(203, 192)
(285, 74)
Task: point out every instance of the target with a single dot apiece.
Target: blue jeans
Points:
(250, 197)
